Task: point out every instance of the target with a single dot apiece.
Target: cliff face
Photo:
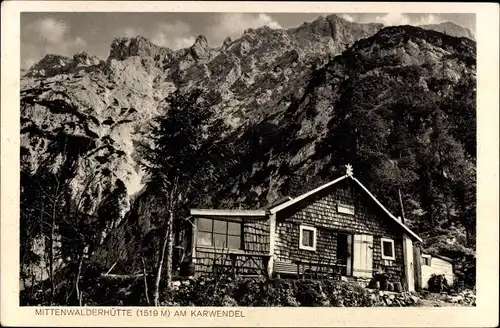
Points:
(293, 101)
(450, 28)
(104, 107)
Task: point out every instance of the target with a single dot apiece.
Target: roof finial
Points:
(349, 170)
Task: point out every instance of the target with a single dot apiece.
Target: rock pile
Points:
(465, 297)
(386, 298)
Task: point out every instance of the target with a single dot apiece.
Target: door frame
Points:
(350, 250)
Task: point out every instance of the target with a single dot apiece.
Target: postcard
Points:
(249, 164)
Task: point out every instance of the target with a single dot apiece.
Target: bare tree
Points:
(54, 198)
(167, 246)
(144, 270)
(42, 206)
(85, 220)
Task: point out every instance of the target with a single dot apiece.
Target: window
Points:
(218, 233)
(388, 249)
(307, 238)
(426, 260)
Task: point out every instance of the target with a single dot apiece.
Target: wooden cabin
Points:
(337, 229)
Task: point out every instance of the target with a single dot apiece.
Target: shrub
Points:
(220, 291)
(202, 292)
(247, 293)
(280, 292)
(437, 283)
(262, 292)
(310, 293)
(348, 294)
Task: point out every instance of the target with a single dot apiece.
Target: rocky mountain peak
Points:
(323, 25)
(200, 49)
(226, 43)
(407, 45)
(201, 40)
(49, 65)
(331, 34)
(52, 65)
(450, 28)
(124, 47)
(53, 59)
(392, 35)
(84, 59)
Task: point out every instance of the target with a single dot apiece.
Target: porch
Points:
(309, 270)
(230, 262)
(231, 242)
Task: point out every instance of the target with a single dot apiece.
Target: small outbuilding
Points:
(438, 265)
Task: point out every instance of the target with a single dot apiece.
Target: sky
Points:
(67, 33)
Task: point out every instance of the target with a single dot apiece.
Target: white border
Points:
(310, 228)
(384, 257)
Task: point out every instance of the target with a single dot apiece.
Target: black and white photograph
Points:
(247, 159)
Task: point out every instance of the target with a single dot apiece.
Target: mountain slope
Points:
(397, 65)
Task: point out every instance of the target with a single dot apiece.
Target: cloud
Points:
(347, 17)
(49, 29)
(391, 19)
(268, 21)
(130, 32)
(173, 43)
(178, 34)
(47, 36)
(174, 35)
(28, 63)
(429, 19)
(234, 24)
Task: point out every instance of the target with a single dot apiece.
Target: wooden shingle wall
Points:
(256, 236)
(320, 211)
(255, 240)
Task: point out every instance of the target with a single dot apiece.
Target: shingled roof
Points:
(349, 175)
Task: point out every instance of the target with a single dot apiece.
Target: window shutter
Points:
(363, 256)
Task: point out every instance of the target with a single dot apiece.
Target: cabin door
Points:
(344, 253)
(362, 256)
